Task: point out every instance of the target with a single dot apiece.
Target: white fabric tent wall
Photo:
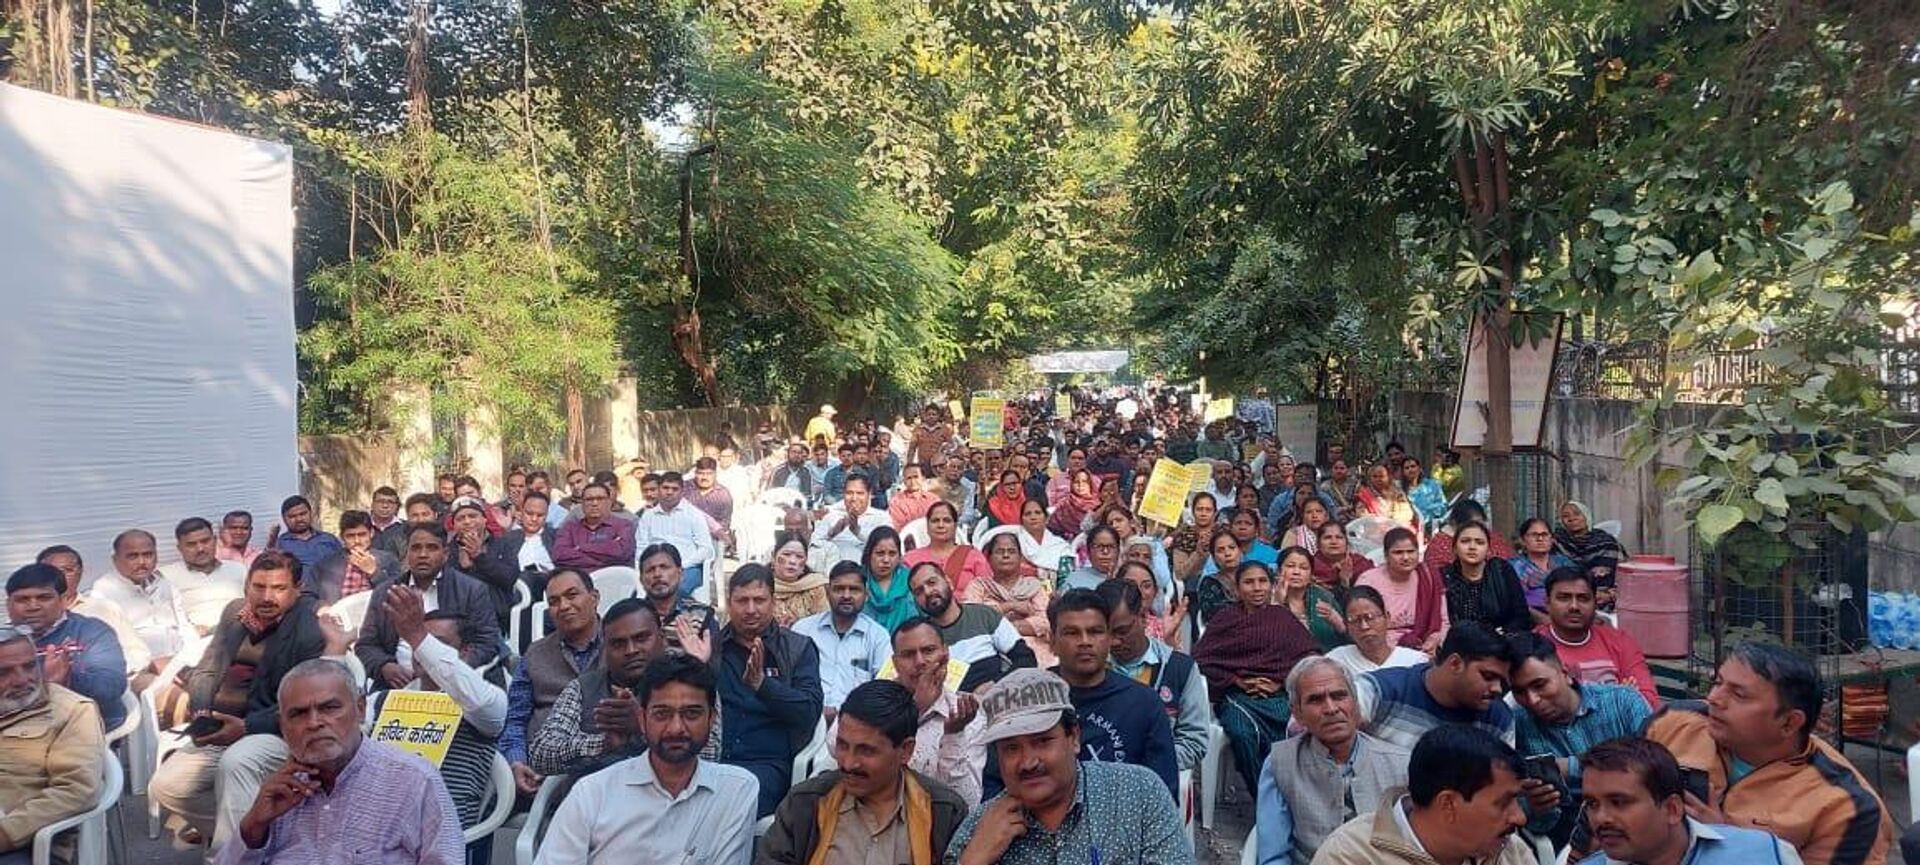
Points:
(146, 327)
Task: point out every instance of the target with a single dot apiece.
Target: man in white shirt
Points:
(666, 805)
(145, 599)
(671, 521)
(467, 766)
(206, 584)
(846, 527)
(947, 747)
(853, 647)
(740, 480)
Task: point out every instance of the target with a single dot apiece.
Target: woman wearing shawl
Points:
(1003, 506)
(1043, 549)
(1592, 550)
(1308, 517)
(1439, 552)
(1482, 587)
(1018, 595)
(1210, 591)
(1416, 598)
(1247, 498)
(1381, 497)
(1081, 500)
(1315, 607)
(1536, 560)
(889, 601)
(1428, 499)
(797, 592)
(961, 563)
(1245, 654)
(1336, 565)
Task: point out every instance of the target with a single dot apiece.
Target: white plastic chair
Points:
(1187, 816)
(614, 584)
(1210, 768)
(1250, 852)
(753, 530)
(160, 743)
(90, 840)
(1611, 527)
(537, 623)
(914, 535)
(503, 792)
(803, 762)
(1913, 776)
(351, 610)
(781, 497)
(541, 809)
(522, 600)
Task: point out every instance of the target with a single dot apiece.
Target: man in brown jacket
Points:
(1753, 737)
(51, 749)
(1461, 805)
(873, 800)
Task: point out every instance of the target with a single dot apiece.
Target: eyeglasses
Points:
(1365, 619)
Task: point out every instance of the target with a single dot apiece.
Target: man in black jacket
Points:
(236, 686)
(770, 692)
(526, 549)
(470, 550)
(444, 588)
(873, 743)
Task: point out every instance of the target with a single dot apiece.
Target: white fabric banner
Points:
(146, 272)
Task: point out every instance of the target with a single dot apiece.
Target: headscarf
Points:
(1589, 548)
(1005, 507)
(893, 605)
(1073, 508)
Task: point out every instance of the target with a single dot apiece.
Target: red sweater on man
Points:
(1608, 657)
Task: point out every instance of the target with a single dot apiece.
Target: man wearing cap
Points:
(821, 427)
(1108, 812)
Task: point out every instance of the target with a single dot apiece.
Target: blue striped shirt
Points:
(1397, 707)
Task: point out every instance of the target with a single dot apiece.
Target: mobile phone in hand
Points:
(1544, 767)
(1695, 781)
(205, 725)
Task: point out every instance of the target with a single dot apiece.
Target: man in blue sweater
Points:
(1463, 685)
(76, 651)
(1121, 721)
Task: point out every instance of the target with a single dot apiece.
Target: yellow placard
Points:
(1202, 480)
(1063, 406)
(1219, 408)
(418, 722)
(989, 422)
(1167, 490)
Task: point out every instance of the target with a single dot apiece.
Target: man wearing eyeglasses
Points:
(50, 748)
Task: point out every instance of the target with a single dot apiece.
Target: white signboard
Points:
(1298, 428)
(146, 270)
(1531, 377)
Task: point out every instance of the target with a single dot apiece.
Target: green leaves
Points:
(1714, 521)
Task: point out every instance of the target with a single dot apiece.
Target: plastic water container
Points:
(1653, 605)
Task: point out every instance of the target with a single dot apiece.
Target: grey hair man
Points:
(1320, 779)
(397, 799)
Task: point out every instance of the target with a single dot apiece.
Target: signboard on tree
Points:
(1531, 378)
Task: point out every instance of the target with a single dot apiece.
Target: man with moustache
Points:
(972, 632)
(444, 587)
(769, 682)
(50, 749)
(262, 638)
(206, 583)
(873, 805)
(853, 647)
(594, 714)
(1317, 781)
(550, 665)
(1635, 803)
(1054, 802)
(947, 746)
(1461, 807)
(666, 805)
(77, 653)
(339, 797)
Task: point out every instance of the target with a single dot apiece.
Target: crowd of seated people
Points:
(949, 652)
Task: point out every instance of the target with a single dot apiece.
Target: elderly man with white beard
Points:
(50, 749)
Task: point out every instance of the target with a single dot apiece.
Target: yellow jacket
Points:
(1377, 839)
(49, 764)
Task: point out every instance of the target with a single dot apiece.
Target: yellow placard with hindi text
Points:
(1219, 408)
(1063, 405)
(989, 423)
(1202, 477)
(956, 673)
(418, 722)
(1167, 490)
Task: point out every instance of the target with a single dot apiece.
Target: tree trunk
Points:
(576, 428)
(419, 104)
(686, 313)
(1484, 192)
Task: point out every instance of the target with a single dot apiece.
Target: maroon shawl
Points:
(1427, 610)
(1238, 644)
